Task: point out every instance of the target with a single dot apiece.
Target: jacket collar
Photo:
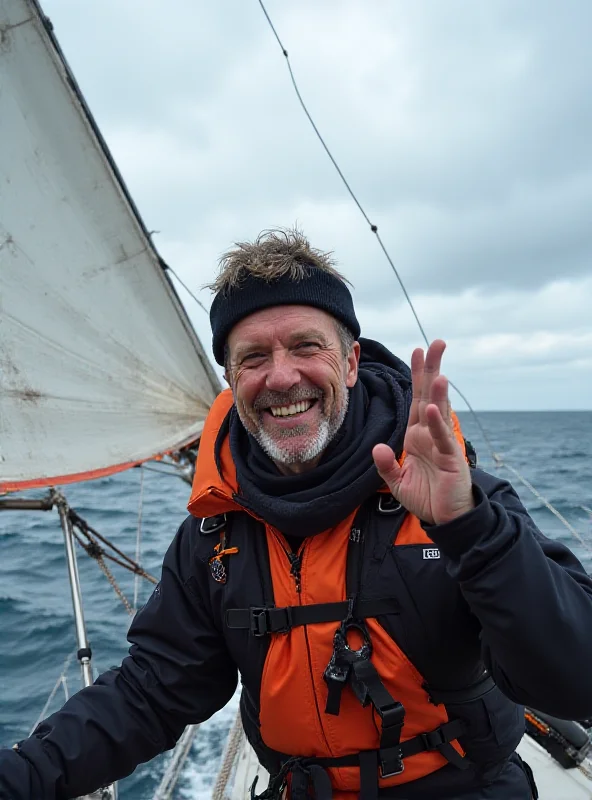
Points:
(214, 484)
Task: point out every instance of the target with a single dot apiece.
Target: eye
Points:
(307, 346)
(251, 358)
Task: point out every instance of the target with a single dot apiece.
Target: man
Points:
(388, 606)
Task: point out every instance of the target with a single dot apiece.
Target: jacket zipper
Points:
(295, 567)
(295, 560)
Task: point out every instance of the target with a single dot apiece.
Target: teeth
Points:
(288, 411)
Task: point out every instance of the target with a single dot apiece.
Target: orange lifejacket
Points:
(293, 692)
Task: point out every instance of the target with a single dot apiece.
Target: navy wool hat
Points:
(319, 289)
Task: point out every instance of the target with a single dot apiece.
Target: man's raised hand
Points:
(434, 481)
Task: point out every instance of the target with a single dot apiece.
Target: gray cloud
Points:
(463, 127)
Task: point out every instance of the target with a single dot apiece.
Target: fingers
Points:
(423, 374)
(431, 368)
(440, 431)
(439, 397)
(387, 465)
(417, 362)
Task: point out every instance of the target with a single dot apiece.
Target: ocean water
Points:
(552, 450)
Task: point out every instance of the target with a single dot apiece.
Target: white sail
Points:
(99, 364)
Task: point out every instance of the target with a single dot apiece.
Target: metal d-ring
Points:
(366, 648)
(390, 509)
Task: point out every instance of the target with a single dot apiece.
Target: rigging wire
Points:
(168, 472)
(187, 289)
(373, 227)
(497, 458)
(61, 681)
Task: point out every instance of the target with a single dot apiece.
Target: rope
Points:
(584, 768)
(95, 549)
(233, 745)
(61, 681)
(374, 228)
(139, 537)
(173, 771)
(109, 575)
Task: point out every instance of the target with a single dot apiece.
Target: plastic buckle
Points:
(391, 765)
(259, 621)
(433, 740)
(392, 716)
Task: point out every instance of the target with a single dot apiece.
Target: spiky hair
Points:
(273, 254)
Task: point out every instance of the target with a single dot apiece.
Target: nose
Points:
(282, 375)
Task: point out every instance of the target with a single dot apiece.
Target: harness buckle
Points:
(433, 740)
(392, 716)
(391, 763)
(259, 621)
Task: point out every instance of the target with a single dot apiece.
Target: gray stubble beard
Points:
(328, 429)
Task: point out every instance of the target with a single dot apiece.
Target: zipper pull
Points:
(295, 564)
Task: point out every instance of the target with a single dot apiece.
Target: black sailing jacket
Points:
(501, 596)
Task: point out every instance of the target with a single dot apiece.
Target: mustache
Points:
(295, 395)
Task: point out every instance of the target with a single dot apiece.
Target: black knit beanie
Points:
(319, 289)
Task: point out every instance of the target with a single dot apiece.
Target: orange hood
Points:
(212, 492)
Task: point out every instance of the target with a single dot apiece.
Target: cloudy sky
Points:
(464, 127)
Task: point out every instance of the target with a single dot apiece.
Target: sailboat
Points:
(101, 368)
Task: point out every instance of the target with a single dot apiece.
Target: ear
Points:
(353, 361)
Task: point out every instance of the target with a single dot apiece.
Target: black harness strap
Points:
(465, 695)
(321, 783)
(264, 620)
(356, 668)
(369, 761)
(368, 687)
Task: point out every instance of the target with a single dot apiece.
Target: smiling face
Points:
(290, 377)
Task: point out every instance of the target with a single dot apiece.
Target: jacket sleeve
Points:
(178, 672)
(531, 596)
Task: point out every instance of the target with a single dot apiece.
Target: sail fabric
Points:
(99, 364)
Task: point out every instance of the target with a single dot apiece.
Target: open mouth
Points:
(293, 410)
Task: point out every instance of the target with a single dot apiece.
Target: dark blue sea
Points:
(553, 450)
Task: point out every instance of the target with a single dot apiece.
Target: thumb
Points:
(386, 464)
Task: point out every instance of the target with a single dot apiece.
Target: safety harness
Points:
(351, 667)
